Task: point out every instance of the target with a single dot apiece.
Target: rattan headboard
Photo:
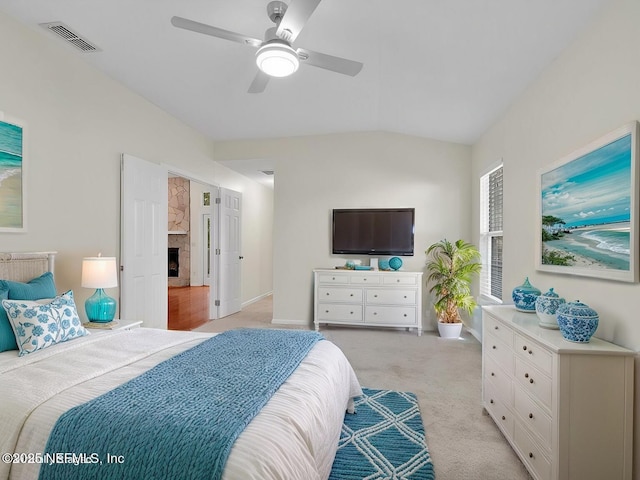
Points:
(22, 267)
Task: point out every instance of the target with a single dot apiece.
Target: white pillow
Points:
(37, 326)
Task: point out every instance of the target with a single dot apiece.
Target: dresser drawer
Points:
(500, 352)
(532, 453)
(534, 382)
(339, 313)
(400, 280)
(347, 295)
(499, 379)
(396, 297)
(534, 353)
(331, 278)
(391, 315)
(365, 279)
(532, 415)
(498, 410)
(495, 328)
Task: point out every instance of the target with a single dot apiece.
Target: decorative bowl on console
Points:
(577, 321)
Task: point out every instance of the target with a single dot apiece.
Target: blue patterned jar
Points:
(546, 306)
(577, 321)
(524, 297)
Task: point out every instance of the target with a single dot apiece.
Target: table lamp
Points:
(100, 273)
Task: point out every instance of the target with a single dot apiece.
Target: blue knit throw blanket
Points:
(181, 418)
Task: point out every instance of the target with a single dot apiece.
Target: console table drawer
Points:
(348, 295)
(391, 315)
(396, 297)
(400, 280)
(365, 280)
(329, 278)
(339, 313)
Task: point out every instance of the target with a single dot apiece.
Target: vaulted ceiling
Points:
(443, 69)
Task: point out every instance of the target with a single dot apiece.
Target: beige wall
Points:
(591, 89)
(315, 174)
(78, 123)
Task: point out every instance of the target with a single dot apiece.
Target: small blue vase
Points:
(395, 263)
(524, 297)
(546, 307)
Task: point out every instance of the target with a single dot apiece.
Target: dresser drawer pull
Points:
(531, 415)
(526, 375)
(405, 296)
(496, 328)
(333, 278)
(524, 347)
(530, 455)
(493, 374)
(530, 352)
(397, 280)
(491, 401)
(503, 417)
(350, 313)
(494, 347)
(351, 295)
(375, 296)
(328, 294)
(375, 313)
(326, 311)
(405, 315)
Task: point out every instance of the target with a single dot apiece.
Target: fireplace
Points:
(174, 262)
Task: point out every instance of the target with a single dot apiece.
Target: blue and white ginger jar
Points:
(524, 297)
(547, 305)
(577, 321)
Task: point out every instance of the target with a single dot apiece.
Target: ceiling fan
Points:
(275, 56)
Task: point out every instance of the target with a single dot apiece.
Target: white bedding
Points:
(295, 436)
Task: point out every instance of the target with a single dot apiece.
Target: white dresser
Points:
(566, 408)
(368, 297)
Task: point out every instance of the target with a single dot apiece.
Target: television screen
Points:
(373, 231)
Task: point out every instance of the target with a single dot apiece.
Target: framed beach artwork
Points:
(12, 175)
(588, 210)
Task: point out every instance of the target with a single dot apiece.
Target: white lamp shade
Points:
(99, 272)
(277, 59)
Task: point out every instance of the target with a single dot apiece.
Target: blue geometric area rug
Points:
(384, 439)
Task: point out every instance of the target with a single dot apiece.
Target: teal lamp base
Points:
(100, 307)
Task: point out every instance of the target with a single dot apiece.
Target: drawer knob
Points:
(375, 313)
(494, 347)
(491, 401)
(326, 311)
(526, 375)
(328, 294)
(503, 417)
(351, 313)
(530, 352)
(405, 296)
(524, 347)
(398, 280)
(365, 279)
(493, 374)
(495, 328)
(530, 455)
(531, 380)
(333, 278)
(351, 295)
(531, 415)
(375, 296)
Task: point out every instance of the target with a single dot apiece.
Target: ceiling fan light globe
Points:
(277, 59)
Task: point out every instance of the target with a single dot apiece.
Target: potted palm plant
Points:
(451, 267)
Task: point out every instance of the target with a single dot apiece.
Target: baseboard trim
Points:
(284, 321)
(256, 299)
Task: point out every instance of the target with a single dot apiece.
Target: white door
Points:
(143, 249)
(230, 254)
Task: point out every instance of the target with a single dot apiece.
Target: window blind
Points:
(491, 188)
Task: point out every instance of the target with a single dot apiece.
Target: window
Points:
(491, 234)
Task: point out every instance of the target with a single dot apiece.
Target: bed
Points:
(294, 436)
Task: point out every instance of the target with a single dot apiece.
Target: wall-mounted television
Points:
(373, 231)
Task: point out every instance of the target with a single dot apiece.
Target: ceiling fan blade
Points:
(295, 18)
(259, 82)
(214, 31)
(329, 62)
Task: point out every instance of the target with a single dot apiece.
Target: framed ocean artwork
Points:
(588, 210)
(12, 177)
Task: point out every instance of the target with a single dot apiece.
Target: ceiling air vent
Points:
(68, 35)
(267, 172)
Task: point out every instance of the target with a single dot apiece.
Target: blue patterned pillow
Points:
(7, 338)
(37, 326)
(40, 287)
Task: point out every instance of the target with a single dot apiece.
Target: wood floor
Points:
(188, 307)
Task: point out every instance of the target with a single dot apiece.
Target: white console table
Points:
(368, 298)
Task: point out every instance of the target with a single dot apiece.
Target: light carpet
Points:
(384, 439)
